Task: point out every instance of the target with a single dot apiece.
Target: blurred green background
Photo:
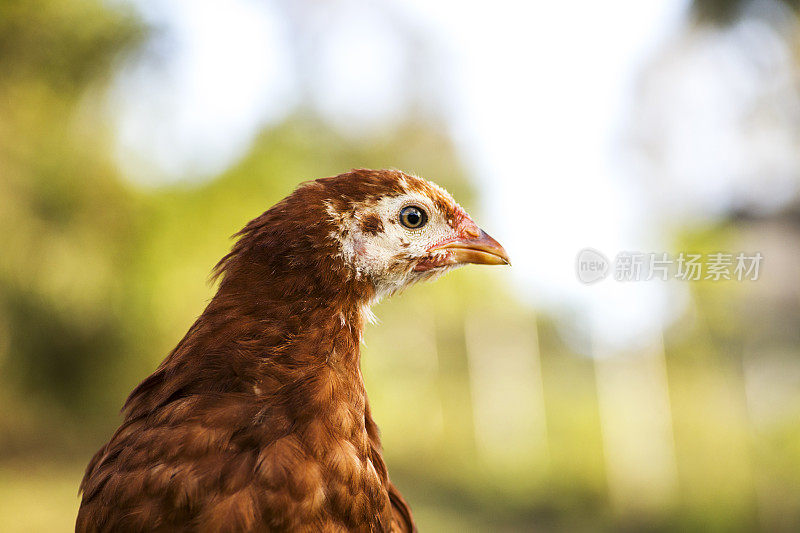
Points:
(494, 417)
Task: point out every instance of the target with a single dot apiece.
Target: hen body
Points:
(258, 420)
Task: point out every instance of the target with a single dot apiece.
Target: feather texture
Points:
(258, 420)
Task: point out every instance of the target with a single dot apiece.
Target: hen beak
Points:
(476, 248)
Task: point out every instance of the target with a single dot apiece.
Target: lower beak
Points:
(479, 249)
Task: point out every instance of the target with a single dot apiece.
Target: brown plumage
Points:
(258, 420)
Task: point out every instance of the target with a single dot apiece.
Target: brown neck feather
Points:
(287, 307)
(275, 358)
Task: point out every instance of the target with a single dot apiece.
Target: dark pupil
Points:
(412, 217)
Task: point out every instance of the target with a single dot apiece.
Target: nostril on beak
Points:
(473, 232)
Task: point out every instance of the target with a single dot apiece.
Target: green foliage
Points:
(63, 44)
(727, 11)
(66, 212)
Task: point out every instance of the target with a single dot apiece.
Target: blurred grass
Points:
(38, 495)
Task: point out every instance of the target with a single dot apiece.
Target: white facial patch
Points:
(377, 245)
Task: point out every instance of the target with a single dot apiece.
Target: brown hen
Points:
(258, 420)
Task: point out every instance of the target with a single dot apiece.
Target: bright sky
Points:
(538, 96)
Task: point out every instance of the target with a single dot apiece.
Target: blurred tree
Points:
(65, 212)
(727, 11)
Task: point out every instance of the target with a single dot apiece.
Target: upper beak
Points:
(477, 248)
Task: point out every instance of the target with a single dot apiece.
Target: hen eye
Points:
(413, 217)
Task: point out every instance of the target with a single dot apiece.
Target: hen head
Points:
(358, 237)
(394, 229)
